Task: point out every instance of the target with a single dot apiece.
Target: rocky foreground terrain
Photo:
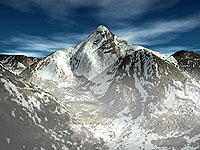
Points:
(103, 93)
(34, 119)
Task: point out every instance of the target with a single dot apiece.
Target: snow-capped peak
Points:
(90, 58)
(102, 28)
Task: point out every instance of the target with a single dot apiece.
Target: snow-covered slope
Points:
(53, 67)
(33, 119)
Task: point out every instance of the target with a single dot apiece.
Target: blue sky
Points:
(39, 27)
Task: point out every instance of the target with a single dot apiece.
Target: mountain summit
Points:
(102, 28)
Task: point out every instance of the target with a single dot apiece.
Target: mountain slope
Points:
(145, 103)
(33, 119)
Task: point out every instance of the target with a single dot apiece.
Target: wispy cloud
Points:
(58, 10)
(150, 34)
(26, 53)
(159, 32)
(40, 46)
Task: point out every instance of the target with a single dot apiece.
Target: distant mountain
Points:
(17, 63)
(33, 119)
(130, 96)
(189, 61)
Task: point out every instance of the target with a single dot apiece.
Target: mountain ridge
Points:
(17, 63)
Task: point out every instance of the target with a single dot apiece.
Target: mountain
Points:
(130, 96)
(89, 58)
(33, 119)
(70, 67)
(17, 63)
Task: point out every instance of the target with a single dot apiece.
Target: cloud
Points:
(56, 9)
(115, 12)
(150, 34)
(159, 32)
(40, 46)
(26, 53)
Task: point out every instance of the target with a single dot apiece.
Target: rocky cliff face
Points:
(128, 95)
